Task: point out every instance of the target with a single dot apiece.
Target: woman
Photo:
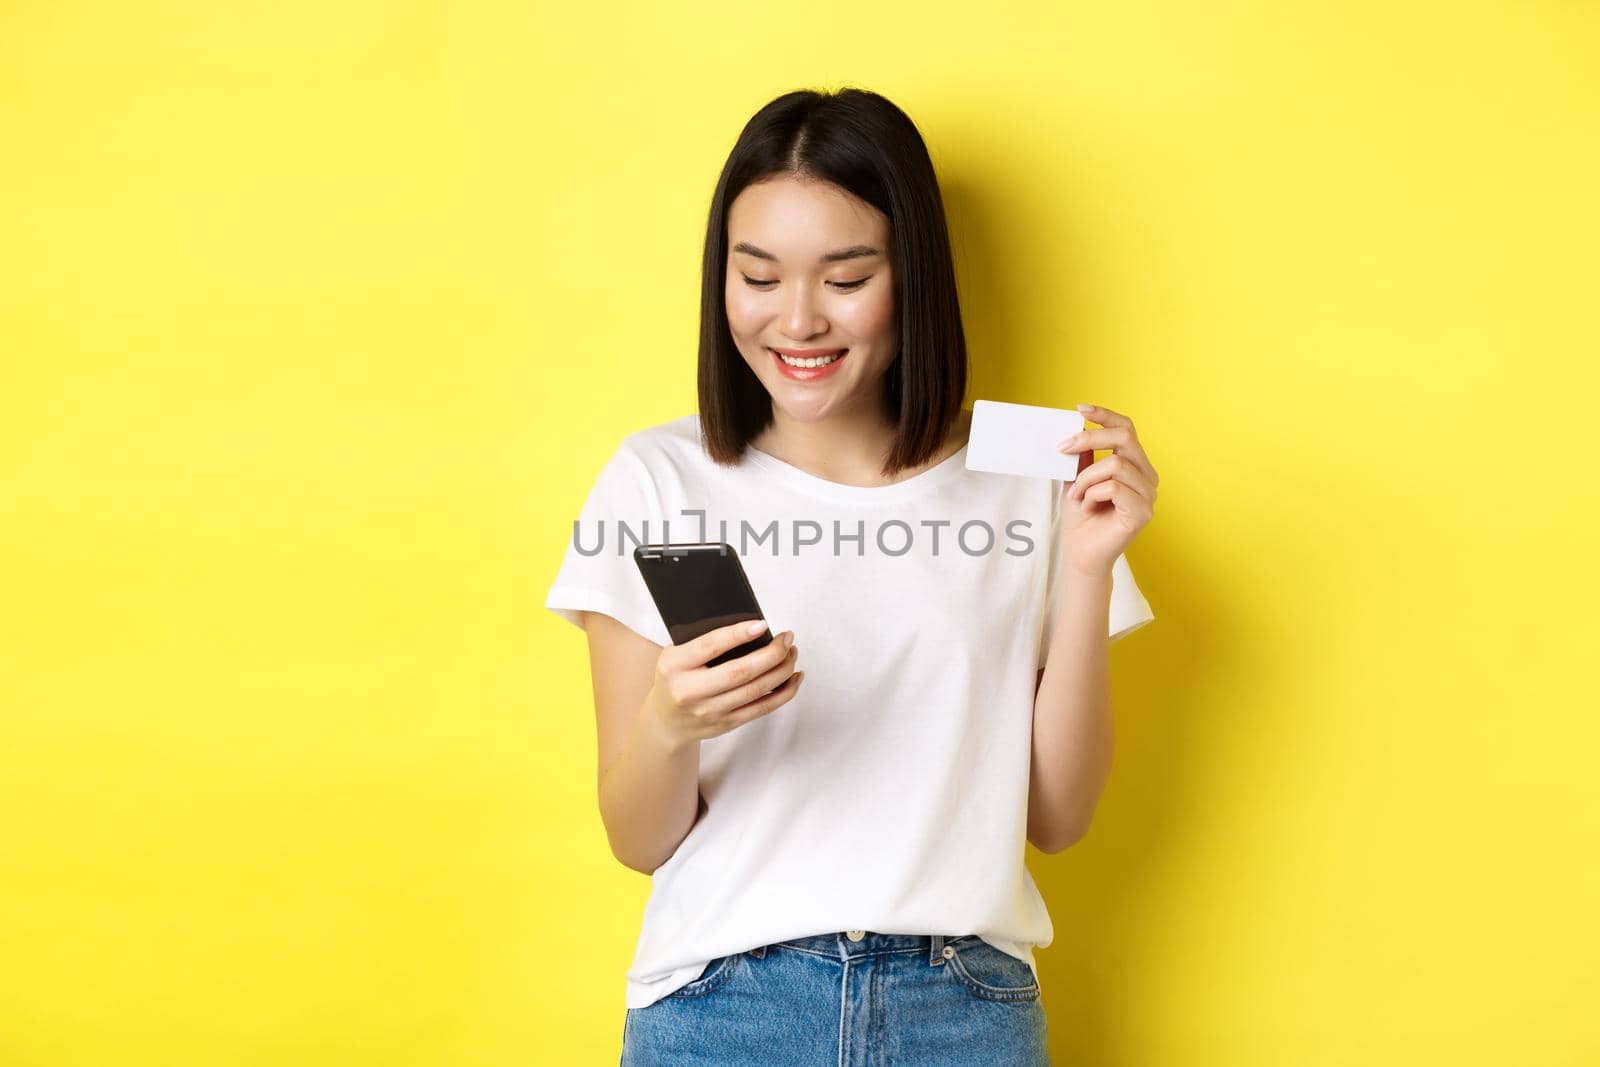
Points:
(837, 853)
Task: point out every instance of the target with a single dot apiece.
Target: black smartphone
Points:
(698, 587)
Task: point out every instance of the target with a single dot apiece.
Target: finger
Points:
(711, 644)
(769, 703)
(731, 700)
(1122, 498)
(770, 693)
(1120, 439)
(1104, 416)
(742, 669)
(1117, 467)
(1109, 437)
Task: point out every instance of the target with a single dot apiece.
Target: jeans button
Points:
(855, 935)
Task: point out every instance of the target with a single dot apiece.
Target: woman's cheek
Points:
(874, 320)
(743, 314)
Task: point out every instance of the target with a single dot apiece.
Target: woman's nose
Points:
(800, 318)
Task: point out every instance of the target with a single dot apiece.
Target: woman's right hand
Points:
(692, 702)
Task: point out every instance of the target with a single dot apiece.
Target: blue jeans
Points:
(830, 1000)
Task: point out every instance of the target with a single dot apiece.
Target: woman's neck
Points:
(848, 449)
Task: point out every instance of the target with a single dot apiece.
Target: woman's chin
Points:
(802, 409)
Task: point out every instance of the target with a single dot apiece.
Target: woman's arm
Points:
(654, 706)
(1108, 503)
(649, 784)
(1072, 728)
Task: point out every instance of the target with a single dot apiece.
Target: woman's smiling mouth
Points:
(807, 364)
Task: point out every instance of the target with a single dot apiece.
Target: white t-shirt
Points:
(890, 794)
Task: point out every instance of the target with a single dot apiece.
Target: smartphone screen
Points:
(699, 587)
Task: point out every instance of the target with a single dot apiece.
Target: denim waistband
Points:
(840, 945)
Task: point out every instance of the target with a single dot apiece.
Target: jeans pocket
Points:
(990, 974)
(715, 973)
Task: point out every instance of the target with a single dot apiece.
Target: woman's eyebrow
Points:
(836, 256)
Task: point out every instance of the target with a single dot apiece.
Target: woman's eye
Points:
(844, 287)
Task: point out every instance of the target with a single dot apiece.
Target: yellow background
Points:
(318, 320)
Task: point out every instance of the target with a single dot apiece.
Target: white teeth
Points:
(820, 362)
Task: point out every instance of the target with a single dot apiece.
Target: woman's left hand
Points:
(1111, 500)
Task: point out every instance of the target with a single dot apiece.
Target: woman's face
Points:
(808, 268)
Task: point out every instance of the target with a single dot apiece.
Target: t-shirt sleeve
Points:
(597, 571)
(1129, 608)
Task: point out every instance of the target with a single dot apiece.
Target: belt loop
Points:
(936, 950)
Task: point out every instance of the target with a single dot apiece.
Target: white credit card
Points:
(1021, 439)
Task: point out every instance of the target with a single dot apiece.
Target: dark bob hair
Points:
(863, 143)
